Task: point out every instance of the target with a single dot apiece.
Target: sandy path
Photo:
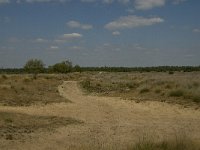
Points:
(108, 122)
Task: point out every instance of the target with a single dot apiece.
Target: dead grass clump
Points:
(176, 143)
(165, 145)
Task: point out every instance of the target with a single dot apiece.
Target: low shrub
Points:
(4, 76)
(176, 93)
(196, 99)
(157, 91)
(86, 84)
(144, 90)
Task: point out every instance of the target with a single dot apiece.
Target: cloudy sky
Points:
(100, 32)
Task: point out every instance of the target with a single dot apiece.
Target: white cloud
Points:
(76, 24)
(41, 40)
(196, 30)
(69, 36)
(54, 47)
(148, 4)
(115, 33)
(4, 1)
(132, 21)
(130, 10)
(76, 48)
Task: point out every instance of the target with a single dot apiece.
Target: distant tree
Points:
(63, 67)
(34, 66)
(77, 68)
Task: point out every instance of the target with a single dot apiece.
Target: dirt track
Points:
(108, 122)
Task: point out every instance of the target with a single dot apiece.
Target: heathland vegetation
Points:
(115, 104)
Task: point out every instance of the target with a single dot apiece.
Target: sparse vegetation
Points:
(16, 126)
(26, 91)
(182, 88)
(23, 90)
(178, 143)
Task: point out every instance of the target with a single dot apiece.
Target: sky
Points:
(125, 33)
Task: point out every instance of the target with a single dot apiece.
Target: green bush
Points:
(157, 91)
(196, 98)
(34, 66)
(144, 90)
(171, 72)
(4, 76)
(63, 67)
(176, 93)
(86, 84)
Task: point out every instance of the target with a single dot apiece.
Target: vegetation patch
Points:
(177, 143)
(144, 90)
(15, 126)
(23, 90)
(181, 88)
(176, 93)
(196, 98)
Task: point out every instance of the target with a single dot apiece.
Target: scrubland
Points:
(180, 88)
(100, 110)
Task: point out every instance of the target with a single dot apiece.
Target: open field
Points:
(99, 110)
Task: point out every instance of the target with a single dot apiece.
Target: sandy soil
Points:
(109, 123)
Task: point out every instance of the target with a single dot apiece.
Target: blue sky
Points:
(100, 32)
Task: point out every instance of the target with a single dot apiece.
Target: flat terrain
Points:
(76, 120)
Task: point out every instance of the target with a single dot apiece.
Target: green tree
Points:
(77, 68)
(34, 66)
(63, 67)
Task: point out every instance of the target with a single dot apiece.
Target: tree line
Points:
(37, 66)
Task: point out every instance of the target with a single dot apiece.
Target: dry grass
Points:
(152, 141)
(15, 126)
(170, 144)
(23, 90)
(180, 87)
